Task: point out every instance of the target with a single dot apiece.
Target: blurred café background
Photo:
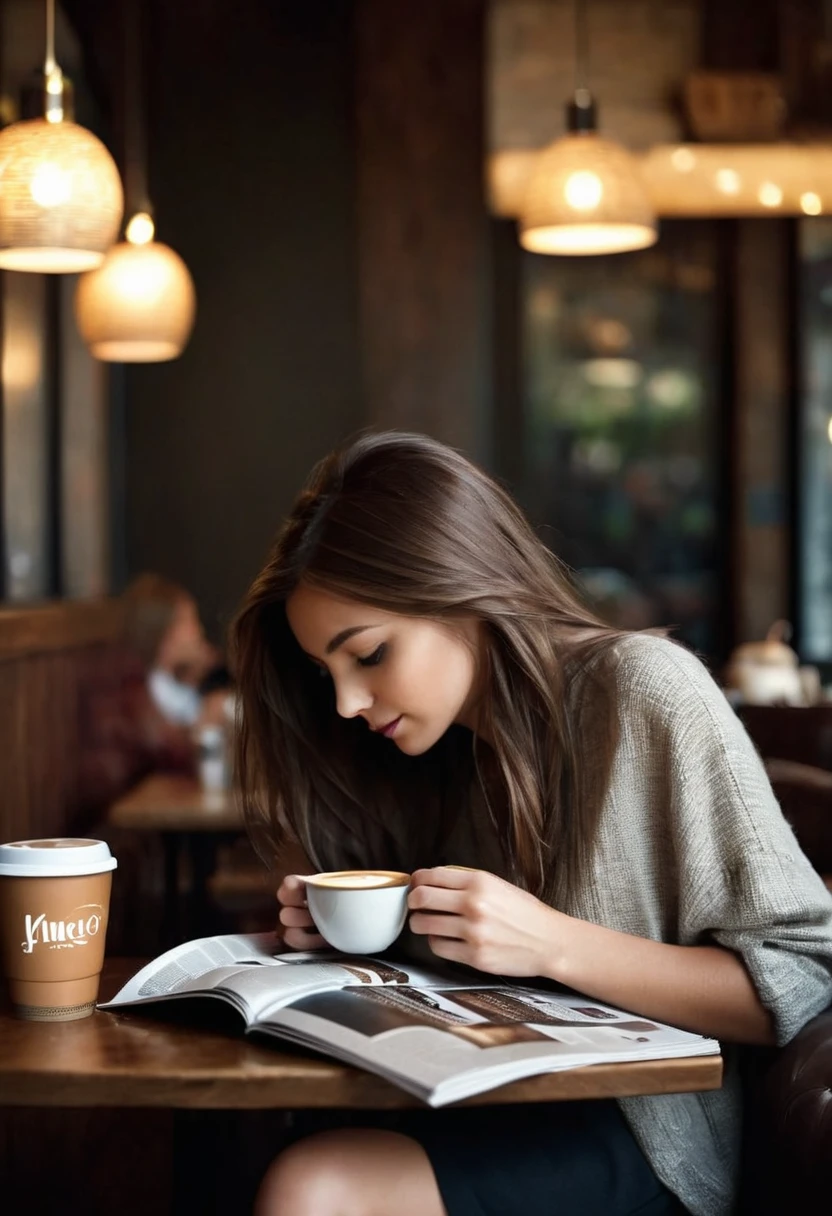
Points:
(348, 232)
(351, 229)
(357, 224)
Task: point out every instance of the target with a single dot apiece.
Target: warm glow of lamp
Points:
(770, 194)
(703, 180)
(585, 196)
(141, 229)
(727, 181)
(583, 191)
(139, 306)
(61, 200)
(683, 160)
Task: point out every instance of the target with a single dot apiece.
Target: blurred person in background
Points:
(144, 713)
(162, 627)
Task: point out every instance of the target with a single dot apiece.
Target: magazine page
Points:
(371, 969)
(199, 967)
(247, 972)
(444, 1044)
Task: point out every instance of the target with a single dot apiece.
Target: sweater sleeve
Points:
(743, 880)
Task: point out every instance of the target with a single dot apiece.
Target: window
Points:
(27, 511)
(814, 444)
(622, 441)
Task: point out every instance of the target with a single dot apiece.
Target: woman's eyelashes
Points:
(373, 660)
(370, 660)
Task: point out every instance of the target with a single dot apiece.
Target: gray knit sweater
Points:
(693, 849)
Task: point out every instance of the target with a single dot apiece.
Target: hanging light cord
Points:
(135, 156)
(55, 98)
(580, 111)
(581, 46)
(49, 63)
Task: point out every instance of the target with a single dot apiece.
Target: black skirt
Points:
(534, 1159)
(543, 1159)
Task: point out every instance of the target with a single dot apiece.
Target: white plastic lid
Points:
(55, 857)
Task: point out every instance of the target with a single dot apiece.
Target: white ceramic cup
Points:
(358, 911)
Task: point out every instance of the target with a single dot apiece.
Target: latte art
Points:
(358, 880)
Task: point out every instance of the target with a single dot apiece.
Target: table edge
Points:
(348, 1088)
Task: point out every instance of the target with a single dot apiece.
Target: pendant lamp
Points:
(139, 305)
(61, 200)
(585, 193)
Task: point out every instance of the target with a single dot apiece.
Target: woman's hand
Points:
(472, 917)
(296, 925)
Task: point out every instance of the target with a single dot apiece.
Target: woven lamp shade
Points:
(138, 307)
(586, 196)
(61, 200)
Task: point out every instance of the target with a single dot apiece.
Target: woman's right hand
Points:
(297, 927)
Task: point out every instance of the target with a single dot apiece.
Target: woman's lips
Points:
(390, 729)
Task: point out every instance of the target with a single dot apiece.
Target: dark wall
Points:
(251, 176)
(319, 166)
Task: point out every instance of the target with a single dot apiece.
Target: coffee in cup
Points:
(358, 911)
(54, 907)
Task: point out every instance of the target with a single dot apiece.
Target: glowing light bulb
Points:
(138, 306)
(770, 194)
(55, 95)
(141, 229)
(810, 203)
(683, 160)
(727, 181)
(50, 185)
(583, 190)
(585, 195)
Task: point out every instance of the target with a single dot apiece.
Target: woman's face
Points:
(409, 678)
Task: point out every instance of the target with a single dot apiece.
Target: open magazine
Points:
(442, 1035)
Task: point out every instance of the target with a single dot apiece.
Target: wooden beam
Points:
(423, 236)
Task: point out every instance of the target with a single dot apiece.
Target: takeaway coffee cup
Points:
(54, 905)
(358, 911)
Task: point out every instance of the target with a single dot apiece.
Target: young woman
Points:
(421, 686)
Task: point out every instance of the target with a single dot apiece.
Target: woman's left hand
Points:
(473, 917)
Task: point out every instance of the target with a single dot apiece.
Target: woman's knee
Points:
(350, 1173)
(300, 1181)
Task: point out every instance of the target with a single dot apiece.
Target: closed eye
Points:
(373, 660)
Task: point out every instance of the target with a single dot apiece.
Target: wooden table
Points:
(168, 803)
(130, 1060)
(206, 1109)
(188, 818)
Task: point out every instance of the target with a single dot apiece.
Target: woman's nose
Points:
(352, 698)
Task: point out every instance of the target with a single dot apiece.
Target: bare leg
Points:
(351, 1173)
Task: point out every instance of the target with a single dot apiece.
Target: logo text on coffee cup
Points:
(84, 923)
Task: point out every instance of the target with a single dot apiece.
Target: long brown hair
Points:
(405, 524)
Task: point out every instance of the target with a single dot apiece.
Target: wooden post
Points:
(762, 551)
(423, 234)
